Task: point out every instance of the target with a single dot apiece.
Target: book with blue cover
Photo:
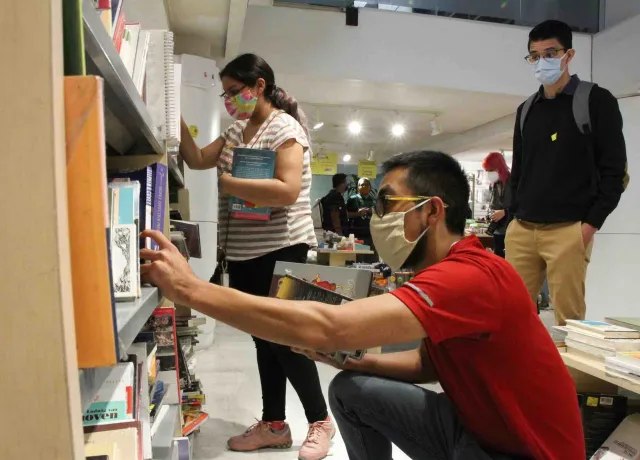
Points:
(251, 164)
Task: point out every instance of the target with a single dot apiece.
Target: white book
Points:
(594, 339)
(624, 442)
(124, 261)
(129, 46)
(604, 330)
(140, 65)
(594, 351)
(160, 86)
(114, 401)
(173, 108)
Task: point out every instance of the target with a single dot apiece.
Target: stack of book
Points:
(597, 340)
(193, 397)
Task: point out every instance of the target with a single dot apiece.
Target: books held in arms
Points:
(251, 164)
(292, 288)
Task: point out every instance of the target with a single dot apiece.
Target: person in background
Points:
(359, 209)
(334, 209)
(565, 181)
(502, 375)
(498, 174)
(267, 118)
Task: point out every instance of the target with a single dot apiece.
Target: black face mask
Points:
(418, 254)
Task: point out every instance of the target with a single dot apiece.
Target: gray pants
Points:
(373, 412)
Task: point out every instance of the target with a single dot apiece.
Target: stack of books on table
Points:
(597, 340)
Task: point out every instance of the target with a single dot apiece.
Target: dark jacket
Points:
(500, 200)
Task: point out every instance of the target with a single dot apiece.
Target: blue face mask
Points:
(548, 71)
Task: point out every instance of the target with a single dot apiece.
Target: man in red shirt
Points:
(507, 393)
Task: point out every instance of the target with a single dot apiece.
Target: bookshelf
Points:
(38, 329)
(166, 427)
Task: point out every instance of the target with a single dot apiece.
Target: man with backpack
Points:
(568, 173)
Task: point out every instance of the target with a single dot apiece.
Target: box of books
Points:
(601, 414)
(292, 288)
(251, 164)
(349, 282)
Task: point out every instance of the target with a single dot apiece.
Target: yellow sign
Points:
(324, 164)
(554, 137)
(368, 169)
(193, 130)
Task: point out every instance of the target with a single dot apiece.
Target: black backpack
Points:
(581, 115)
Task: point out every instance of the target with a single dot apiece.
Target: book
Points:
(129, 46)
(193, 420)
(125, 435)
(349, 282)
(601, 414)
(623, 443)
(251, 164)
(140, 64)
(145, 177)
(191, 231)
(141, 391)
(160, 182)
(89, 236)
(114, 400)
(591, 350)
(292, 288)
(101, 451)
(628, 360)
(117, 23)
(631, 323)
(591, 338)
(160, 89)
(605, 330)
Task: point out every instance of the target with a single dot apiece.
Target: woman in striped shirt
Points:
(267, 119)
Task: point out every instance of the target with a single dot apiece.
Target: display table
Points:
(338, 257)
(590, 376)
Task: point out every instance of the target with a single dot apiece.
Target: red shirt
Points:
(495, 359)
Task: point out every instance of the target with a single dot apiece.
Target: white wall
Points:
(616, 11)
(398, 48)
(614, 272)
(616, 57)
(151, 14)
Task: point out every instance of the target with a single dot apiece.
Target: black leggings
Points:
(498, 245)
(277, 363)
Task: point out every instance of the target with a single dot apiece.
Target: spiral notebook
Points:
(162, 87)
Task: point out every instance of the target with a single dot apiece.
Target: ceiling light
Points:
(435, 129)
(346, 158)
(318, 125)
(397, 130)
(355, 127)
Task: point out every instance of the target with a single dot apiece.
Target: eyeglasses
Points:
(382, 202)
(547, 54)
(233, 93)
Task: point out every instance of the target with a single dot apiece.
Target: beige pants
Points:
(557, 250)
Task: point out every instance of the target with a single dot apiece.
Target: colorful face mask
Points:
(242, 105)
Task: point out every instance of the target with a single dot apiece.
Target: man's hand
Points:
(320, 358)
(498, 215)
(588, 231)
(364, 212)
(168, 270)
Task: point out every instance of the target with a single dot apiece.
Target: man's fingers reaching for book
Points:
(158, 237)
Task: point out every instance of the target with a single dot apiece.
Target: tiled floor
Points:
(230, 378)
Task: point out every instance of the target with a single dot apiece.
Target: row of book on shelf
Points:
(611, 422)
(135, 399)
(147, 56)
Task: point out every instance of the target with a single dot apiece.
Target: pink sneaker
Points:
(316, 446)
(261, 436)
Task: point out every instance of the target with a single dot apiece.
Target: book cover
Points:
(605, 330)
(292, 288)
(624, 442)
(159, 198)
(140, 65)
(349, 282)
(251, 164)
(118, 31)
(191, 231)
(94, 309)
(124, 261)
(630, 323)
(129, 46)
(145, 177)
(125, 435)
(114, 401)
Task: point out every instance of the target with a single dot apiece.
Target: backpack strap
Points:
(525, 110)
(581, 112)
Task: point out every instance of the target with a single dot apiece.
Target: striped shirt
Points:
(289, 225)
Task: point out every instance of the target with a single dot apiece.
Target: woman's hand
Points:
(498, 215)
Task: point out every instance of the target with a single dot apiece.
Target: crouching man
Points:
(507, 393)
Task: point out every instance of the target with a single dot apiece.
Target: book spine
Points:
(159, 199)
(169, 87)
(118, 32)
(148, 205)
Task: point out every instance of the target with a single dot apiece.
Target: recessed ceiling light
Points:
(318, 125)
(355, 127)
(397, 130)
(346, 158)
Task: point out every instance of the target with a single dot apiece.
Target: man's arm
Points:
(360, 324)
(610, 156)
(335, 220)
(515, 165)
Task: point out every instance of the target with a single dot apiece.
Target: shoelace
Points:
(315, 430)
(254, 427)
